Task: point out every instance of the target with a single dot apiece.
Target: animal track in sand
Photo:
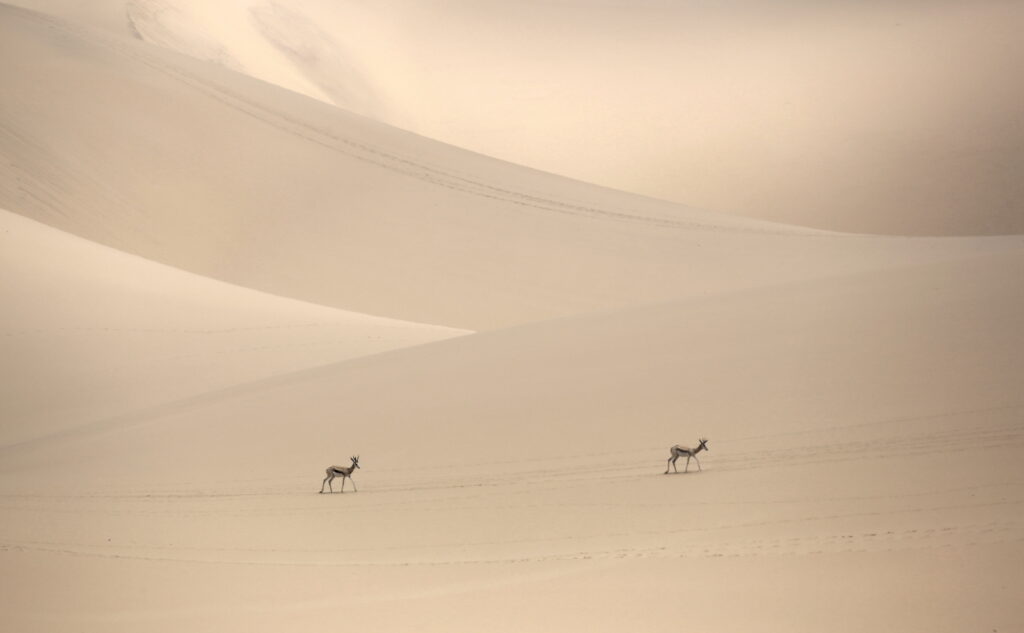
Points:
(990, 533)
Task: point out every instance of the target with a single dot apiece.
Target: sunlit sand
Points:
(243, 242)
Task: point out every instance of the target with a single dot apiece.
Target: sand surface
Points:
(90, 332)
(883, 117)
(213, 287)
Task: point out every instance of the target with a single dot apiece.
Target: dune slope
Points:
(88, 332)
(819, 113)
(863, 431)
(247, 183)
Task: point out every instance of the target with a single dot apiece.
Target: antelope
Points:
(343, 472)
(678, 451)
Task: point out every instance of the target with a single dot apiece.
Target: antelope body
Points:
(678, 451)
(345, 472)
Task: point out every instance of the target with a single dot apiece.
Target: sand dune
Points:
(861, 349)
(90, 333)
(896, 117)
(293, 197)
(213, 288)
(863, 459)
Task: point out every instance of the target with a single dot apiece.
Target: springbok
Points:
(344, 473)
(678, 451)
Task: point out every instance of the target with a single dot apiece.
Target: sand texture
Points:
(909, 110)
(233, 252)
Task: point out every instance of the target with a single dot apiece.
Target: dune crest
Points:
(166, 24)
(320, 58)
(88, 333)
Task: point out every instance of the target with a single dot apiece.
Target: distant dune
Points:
(225, 270)
(253, 185)
(896, 117)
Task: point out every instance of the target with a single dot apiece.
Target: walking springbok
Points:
(678, 451)
(344, 473)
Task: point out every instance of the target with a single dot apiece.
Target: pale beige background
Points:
(213, 287)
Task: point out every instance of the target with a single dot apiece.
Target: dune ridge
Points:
(299, 199)
(90, 332)
(828, 115)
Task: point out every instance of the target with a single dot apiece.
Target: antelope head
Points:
(355, 461)
(704, 444)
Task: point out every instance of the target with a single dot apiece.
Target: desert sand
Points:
(908, 110)
(234, 250)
